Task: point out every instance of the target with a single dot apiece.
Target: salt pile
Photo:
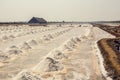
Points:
(70, 44)
(47, 37)
(48, 65)
(25, 46)
(83, 38)
(33, 42)
(40, 40)
(25, 75)
(56, 55)
(3, 56)
(5, 37)
(75, 40)
(14, 50)
(50, 36)
(12, 36)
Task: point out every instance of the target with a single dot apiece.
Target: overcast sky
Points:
(59, 10)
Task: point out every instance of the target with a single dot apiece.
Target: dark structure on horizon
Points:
(36, 20)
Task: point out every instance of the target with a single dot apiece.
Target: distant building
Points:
(37, 20)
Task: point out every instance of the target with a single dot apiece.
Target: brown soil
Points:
(111, 58)
(114, 30)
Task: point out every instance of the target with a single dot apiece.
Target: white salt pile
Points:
(5, 37)
(70, 44)
(83, 38)
(14, 50)
(3, 56)
(48, 65)
(12, 36)
(40, 40)
(47, 37)
(56, 55)
(32, 42)
(50, 36)
(75, 39)
(25, 75)
(25, 46)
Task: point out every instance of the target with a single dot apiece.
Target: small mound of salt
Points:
(13, 47)
(25, 46)
(11, 36)
(33, 42)
(48, 64)
(73, 41)
(14, 50)
(71, 44)
(3, 56)
(76, 39)
(56, 54)
(5, 37)
(83, 37)
(50, 36)
(26, 75)
(47, 37)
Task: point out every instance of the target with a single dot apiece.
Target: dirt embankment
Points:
(114, 30)
(111, 59)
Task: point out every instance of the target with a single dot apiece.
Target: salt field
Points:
(51, 52)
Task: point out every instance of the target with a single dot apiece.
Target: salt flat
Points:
(51, 53)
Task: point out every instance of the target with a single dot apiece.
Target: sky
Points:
(59, 10)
